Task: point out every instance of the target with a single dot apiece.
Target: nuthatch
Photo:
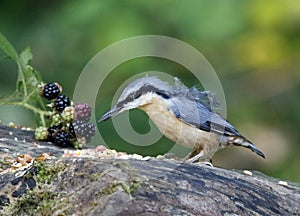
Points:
(184, 115)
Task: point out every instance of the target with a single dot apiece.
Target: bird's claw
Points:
(205, 163)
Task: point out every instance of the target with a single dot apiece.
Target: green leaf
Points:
(27, 92)
(26, 77)
(26, 56)
(8, 48)
(31, 78)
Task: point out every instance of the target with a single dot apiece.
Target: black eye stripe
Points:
(137, 95)
(162, 95)
(145, 89)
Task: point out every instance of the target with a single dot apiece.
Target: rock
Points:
(89, 185)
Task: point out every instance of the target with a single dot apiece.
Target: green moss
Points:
(128, 188)
(5, 162)
(47, 172)
(90, 176)
(110, 188)
(95, 176)
(41, 200)
(132, 187)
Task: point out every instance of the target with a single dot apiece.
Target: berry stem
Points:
(22, 76)
(42, 117)
(42, 113)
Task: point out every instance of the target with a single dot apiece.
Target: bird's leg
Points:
(194, 158)
(198, 157)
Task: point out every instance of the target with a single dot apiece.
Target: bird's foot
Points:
(204, 163)
(199, 159)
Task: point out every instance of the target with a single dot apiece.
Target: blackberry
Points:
(82, 130)
(41, 133)
(90, 131)
(56, 119)
(52, 132)
(81, 141)
(68, 113)
(77, 128)
(51, 90)
(83, 111)
(78, 144)
(61, 102)
(62, 138)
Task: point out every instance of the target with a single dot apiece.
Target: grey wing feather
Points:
(205, 97)
(199, 115)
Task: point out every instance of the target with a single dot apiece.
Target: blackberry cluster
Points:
(69, 125)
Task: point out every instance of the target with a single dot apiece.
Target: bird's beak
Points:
(109, 114)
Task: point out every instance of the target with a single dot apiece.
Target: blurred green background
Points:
(254, 46)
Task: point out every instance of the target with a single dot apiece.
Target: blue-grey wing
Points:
(199, 115)
(205, 97)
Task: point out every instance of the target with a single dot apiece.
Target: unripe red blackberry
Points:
(83, 111)
(62, 138)
(61, 102)
(51, 90)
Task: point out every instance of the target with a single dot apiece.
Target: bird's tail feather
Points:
(241, 141)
